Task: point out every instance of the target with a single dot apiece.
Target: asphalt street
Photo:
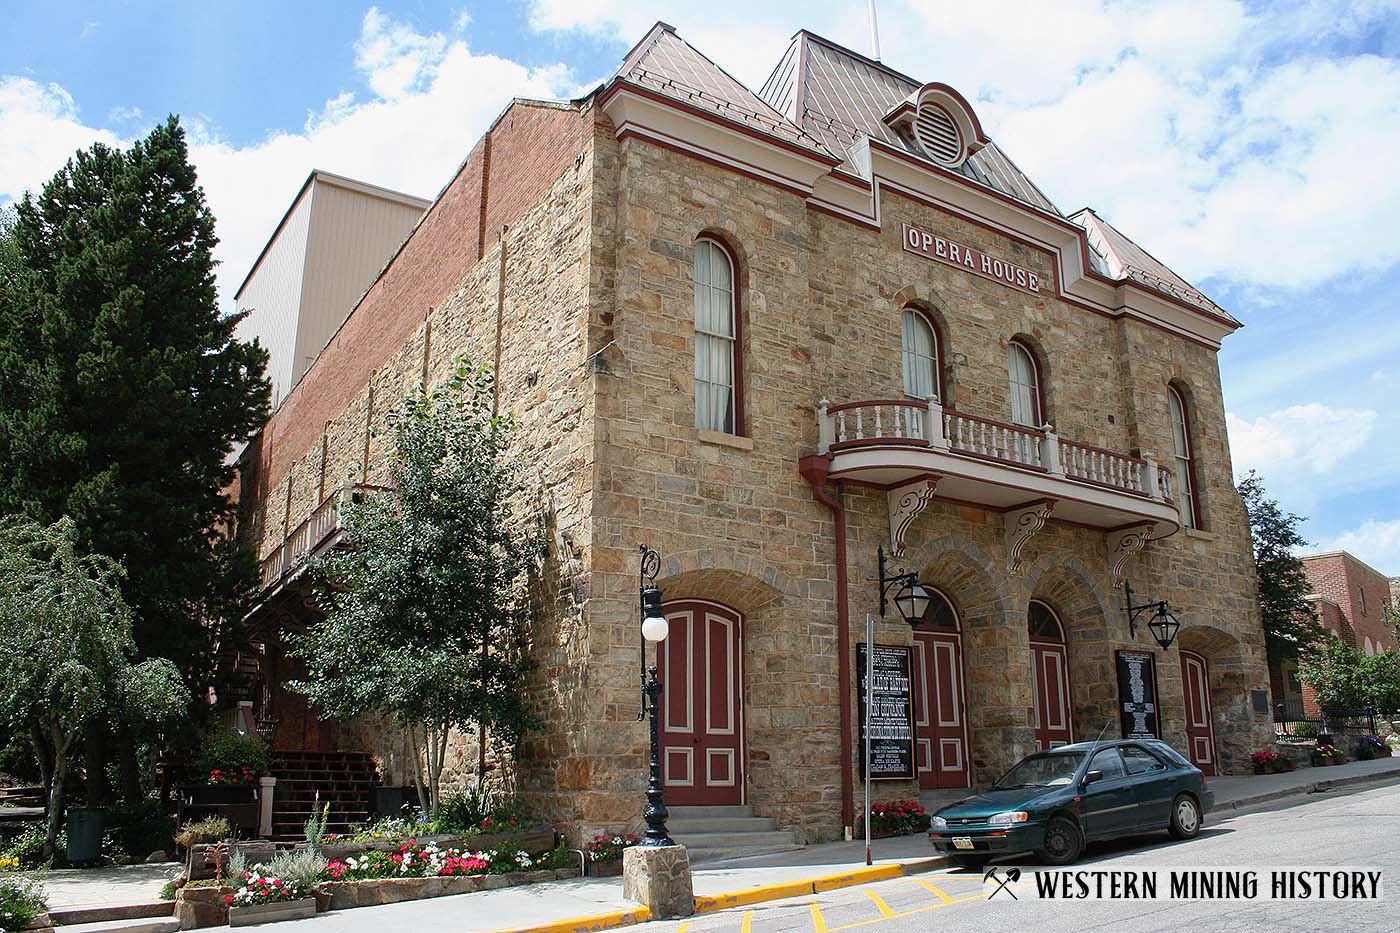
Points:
(1355, 831)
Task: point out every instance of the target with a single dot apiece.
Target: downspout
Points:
(814, 470)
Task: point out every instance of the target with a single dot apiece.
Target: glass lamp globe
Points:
(1164, 627)
(655, 628)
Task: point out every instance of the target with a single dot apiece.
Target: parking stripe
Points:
(747, 925)
(879, 901)
(943, 896)
(818, 921)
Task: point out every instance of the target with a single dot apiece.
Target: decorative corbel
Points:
(1021, 525)
(906, 503)
(1122, 545)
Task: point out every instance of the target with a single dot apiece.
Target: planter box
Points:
(375, 891)
(533, 839)
(268, 913)
(605, 869)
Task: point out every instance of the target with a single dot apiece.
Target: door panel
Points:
(701, 666)
(1200, 733)
(940, 722)
(1054, 718)
(1110, 805)
(1154, 786)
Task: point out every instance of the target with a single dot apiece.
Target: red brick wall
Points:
(1343, 578)
(526, 150)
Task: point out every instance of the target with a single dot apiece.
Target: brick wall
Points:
(1344, 579)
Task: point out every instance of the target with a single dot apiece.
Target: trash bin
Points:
(84, 835)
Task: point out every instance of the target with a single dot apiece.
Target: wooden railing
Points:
(908, 422)
(309, 535)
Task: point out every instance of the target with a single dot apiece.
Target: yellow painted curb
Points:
(859, 876)
(708, 903)
(607, 921)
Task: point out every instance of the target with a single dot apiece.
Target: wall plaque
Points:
(892, 713)
(942, 249)
(1137, 694)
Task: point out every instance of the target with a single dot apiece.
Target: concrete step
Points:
(72, 916)
(704, 812)
(699, 856)
(720, 824)
(775, 838)
(135, 925)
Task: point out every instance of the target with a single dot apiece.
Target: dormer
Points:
(941, 123)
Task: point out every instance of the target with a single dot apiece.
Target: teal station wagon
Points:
(1055, 802)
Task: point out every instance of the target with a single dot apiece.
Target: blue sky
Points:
(1248, 146)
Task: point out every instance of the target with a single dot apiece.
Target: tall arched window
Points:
(1185, 466)
(716, 339)
(920, 341)
(1025, 386)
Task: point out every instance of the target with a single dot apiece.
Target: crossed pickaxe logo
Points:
(1012, 876)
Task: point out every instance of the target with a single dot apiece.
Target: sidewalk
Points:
(1251, 789)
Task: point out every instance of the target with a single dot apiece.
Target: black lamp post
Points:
(1162, 624)
(654, 629)
(910, 598)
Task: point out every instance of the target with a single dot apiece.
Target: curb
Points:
(1316, 787)
(708, 903)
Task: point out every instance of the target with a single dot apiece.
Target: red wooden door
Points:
(940, 721)
(1200, 734)
(1054, 711)
(702, 722)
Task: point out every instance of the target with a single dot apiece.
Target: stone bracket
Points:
(1122, 545)
(906, 503)
(1021, 525)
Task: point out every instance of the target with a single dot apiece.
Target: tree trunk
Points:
(44, 756)
(130, 766)
(60, 772)
(418, 769)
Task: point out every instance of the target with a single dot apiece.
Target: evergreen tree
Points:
(123, 389)
(426, 611)
(1290, 623)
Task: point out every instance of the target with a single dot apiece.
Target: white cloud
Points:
(1376, 542)
(433, 98)
(1312, 438)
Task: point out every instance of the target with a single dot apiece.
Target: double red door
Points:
(702, 722)
(940, 720)
(1054, 721)
(1200, 734)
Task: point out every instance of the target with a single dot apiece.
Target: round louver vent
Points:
(938, 134)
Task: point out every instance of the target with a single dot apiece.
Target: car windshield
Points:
(1055, 770)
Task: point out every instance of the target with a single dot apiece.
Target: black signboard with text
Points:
(892, 715)
(1137, 694)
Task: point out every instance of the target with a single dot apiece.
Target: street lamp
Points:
(910, 598)
(654, 629)
(1162, 624)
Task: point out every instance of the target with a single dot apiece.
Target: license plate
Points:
(962, 842)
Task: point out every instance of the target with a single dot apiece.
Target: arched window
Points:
(717, 375)
(1025, 386)
(1043, 624)
(920, 341)
(1185, 466)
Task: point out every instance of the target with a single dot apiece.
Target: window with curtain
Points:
(1181, 448)
(920, 343)
(715, 346)
(1025, 387)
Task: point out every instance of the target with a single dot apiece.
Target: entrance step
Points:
(711, 833)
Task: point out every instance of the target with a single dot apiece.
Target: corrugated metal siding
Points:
(272, 295)
(780, 90)
(352, 236)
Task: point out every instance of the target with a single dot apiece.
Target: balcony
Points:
(316, 533)
(1029, 474)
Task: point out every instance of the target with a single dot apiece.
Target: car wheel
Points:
(1063, 842)
(975, 862)
(1186, 817)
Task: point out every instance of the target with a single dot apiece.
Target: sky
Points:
(1252, 147)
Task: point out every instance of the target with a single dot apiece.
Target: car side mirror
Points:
(1092, 776)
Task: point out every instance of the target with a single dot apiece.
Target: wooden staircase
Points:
(345, 780)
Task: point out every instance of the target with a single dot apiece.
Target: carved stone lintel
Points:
(1122, 545)
(906, 503)
(1021, 525)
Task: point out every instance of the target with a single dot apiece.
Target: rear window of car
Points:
(1166, 751)
(1140, 760)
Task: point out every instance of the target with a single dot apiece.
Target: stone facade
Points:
(596, 350)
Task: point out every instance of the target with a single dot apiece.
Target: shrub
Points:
(898, 818)
(137, 829)
(209, 829)
(314, 828)
(462, 811)
(303, 868)
(237, 759)
(28, 848)
(1305, 730)
(21, 900)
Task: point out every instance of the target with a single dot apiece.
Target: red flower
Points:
(228, 898)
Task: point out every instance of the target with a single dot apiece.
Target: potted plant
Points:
(1372, 747)
(605, 853)
(1265, 762)
(897, 818)
(1283, 763)
(1325, 755)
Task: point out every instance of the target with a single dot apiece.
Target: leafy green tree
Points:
(1333, 669)
(1380, 675)
(123, 389)
(66, 649)
(426, 610)
(1290, 622)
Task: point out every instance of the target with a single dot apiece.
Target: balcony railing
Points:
(313, 534)
(927, 424)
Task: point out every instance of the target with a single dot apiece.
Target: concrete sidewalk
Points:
(1252, 789)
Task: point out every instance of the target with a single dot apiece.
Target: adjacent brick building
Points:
(769, 334)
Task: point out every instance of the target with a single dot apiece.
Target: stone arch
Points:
(746, 584)
(1075, 593)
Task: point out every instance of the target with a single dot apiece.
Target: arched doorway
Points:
(702, 716)
(1200, 734)
(1054, 716)
(940, 716)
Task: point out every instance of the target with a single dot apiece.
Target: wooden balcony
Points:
(901, 445)
(317, 532)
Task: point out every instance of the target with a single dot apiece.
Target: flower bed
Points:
(1267, 762)
(898, 818)
(531, 839)
(372, 891)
